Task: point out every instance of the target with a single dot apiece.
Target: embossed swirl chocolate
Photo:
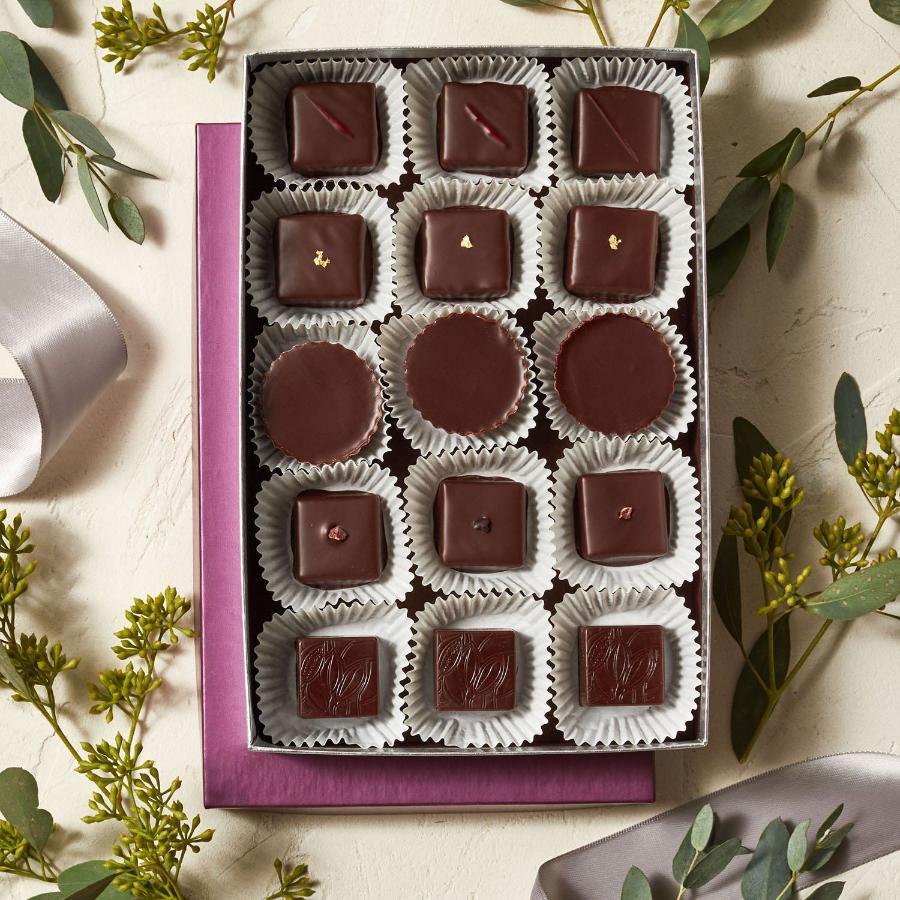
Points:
(621, 665)
(337, 677)
(474, 669)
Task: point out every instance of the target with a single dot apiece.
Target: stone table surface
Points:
(113, 513)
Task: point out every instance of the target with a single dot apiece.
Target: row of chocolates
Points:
(471, 117)
(479, 670)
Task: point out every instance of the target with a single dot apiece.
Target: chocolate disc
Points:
(615, 374)
(465, 373)
(320, 402)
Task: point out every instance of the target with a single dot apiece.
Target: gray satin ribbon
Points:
(868, 784)
(66, 343)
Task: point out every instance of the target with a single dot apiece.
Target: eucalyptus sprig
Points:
(125, 36)
(59, 139)
(157, 834)
(862, 579)
(780, 858)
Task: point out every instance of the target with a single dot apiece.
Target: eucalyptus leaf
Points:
(780, 212)
(743, 202)
(108, 163)
(858, 594)
(772, 158)
(729, 16)
(828, 129)
(826, 848)
(722, 262)
(521, 2)
(887, 9)
(46, 90)
(726, 587)
(795, 153)
(835, 838)
(702, 829)
(15, 76)
(19, 806)
(849, 419)
(684, 857)
(837, 86)
(830, 891)
(830, 819)
(767, 873)
(750, 701)
(89, 189)
(84, 130)
(46, 155)
(128, 217)
(636, 886)
(39, 11)
(85, 881)
(749, 442)
(690, 37)
(798, 845)
(715, 862)
(10, 673)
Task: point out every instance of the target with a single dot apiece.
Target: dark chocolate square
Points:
(337, 677)
(322, 259)
(621, 518)
(621, 665)
(333, 128)
(480, 523)
(616, 131)
(465, 252)
(611, 251)
(337, 538)
(483, 127)
(474, 670)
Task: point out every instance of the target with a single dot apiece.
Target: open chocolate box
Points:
(474, 401)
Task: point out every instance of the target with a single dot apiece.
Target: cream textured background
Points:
(112, 514)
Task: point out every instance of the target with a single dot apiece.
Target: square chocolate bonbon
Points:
(474, 669)
(337, 677)
(337, 538)
(621, 518)
(481, 523)
(484, 128)
(621, 665)
(333, 128)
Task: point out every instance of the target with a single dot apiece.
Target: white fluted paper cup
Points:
(273, 341)
(424, 81)
(676, 128)
(260, 270)
(506, 728)
(268, 130)
(394, 342)
(274, 505)
(515, 463)
(615, 455)
(440, 193)
(275, 674)
(552, 330)
(676, 239)
(625, 725)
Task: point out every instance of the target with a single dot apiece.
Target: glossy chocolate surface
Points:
(465, 373)
(337, 677)
(337, 538)
(322, 259)
(621, 518)
(474, 670)
(333, 128)
(483, 127)
(615, 131)
(481, 523)
(321, 403)
(615, 374)
(621, 665)
(464, 252)
(611, 252)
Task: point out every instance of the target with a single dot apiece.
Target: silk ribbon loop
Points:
(66, 344)
(868, 784)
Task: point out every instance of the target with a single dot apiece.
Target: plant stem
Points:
(662, 11)
(866, 88)
(690, 868)
(588, 7)
(805, 655)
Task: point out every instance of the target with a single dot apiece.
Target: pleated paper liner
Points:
(507, 728)
(275, 675)
(625, 725)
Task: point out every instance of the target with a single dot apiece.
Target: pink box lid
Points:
(233, 775)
